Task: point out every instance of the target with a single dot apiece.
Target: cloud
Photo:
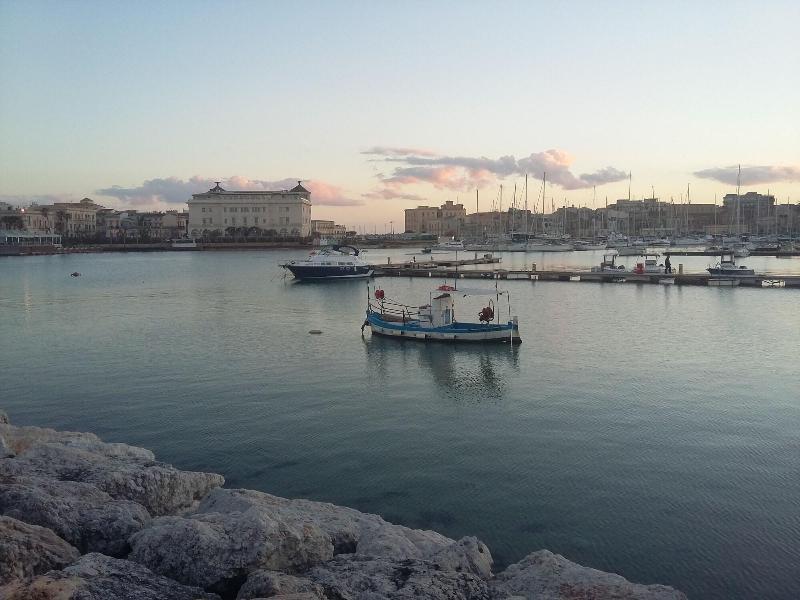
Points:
(395, 151)
(751, 175)
(468, 172)
(175, 190)
(391, 194)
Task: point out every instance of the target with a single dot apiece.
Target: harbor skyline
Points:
(378, 110)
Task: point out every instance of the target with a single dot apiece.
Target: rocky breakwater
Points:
(84, 519)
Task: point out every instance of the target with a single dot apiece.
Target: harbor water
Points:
(651, 431)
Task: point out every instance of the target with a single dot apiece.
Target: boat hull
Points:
(316, 273)
(456, 333)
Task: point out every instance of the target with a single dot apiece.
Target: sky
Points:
(380, 106)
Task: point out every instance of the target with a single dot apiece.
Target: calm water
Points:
(647, 430)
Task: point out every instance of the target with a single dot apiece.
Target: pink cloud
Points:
(174, 190)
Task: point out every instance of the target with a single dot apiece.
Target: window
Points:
(245, 209)
(255, 220)
(203, 209)
(224, 209)
(226, 221)
(245, 220)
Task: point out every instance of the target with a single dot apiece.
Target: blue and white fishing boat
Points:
(437, 321)
(335, 262)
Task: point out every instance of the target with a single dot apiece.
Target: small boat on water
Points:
(184, 244)
(726, 267)
(650, 265)
(610, 266)
(449, 246)
(335, 262)
(437, 321)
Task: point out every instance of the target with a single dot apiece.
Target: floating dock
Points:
(698, 279)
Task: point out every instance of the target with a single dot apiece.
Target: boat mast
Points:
(526, 211)
(738, 210)
(544, 187)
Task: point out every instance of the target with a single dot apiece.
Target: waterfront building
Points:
(283, 213)
(327, 229)
(76, 219)
(447, 219)
(163, 226)
(38, 219)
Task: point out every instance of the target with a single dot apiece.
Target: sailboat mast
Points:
(738, 209)
(526, 209)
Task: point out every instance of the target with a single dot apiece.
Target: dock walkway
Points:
(703, 279)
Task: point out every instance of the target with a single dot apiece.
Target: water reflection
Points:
(464, 373)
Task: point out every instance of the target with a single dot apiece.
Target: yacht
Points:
(449, 245)
(335, 262)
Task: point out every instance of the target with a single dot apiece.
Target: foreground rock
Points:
(98, 577)
(268, 584)
(28, 550)
(64, 493)
(86, 517)
(235, 532)
(361, 578)
(547, 576)
(123, 472)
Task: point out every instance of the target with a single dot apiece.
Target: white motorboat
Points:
(184, 244)
(727, 267)
(449, 245)
(583, 245)
(335, 262)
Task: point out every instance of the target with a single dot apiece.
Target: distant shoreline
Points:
(167, 247)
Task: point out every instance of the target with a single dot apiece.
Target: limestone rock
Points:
(543, 575)
(235, 532)
(124, 472)
(361, 578)
(81, 514)
(218, 550)
(5, 450)
(268, 584)
(350, 531)
(98, 577)
(467, 555)
(28, 550)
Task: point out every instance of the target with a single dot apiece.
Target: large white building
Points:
(287, 213)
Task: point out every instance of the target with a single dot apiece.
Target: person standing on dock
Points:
(667, 265)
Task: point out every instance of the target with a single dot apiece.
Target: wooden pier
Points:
(441, 271)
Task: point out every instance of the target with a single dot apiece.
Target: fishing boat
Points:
(437, 321)
(609, 266)
(334, 262)
(726, 267)
(649, 266)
